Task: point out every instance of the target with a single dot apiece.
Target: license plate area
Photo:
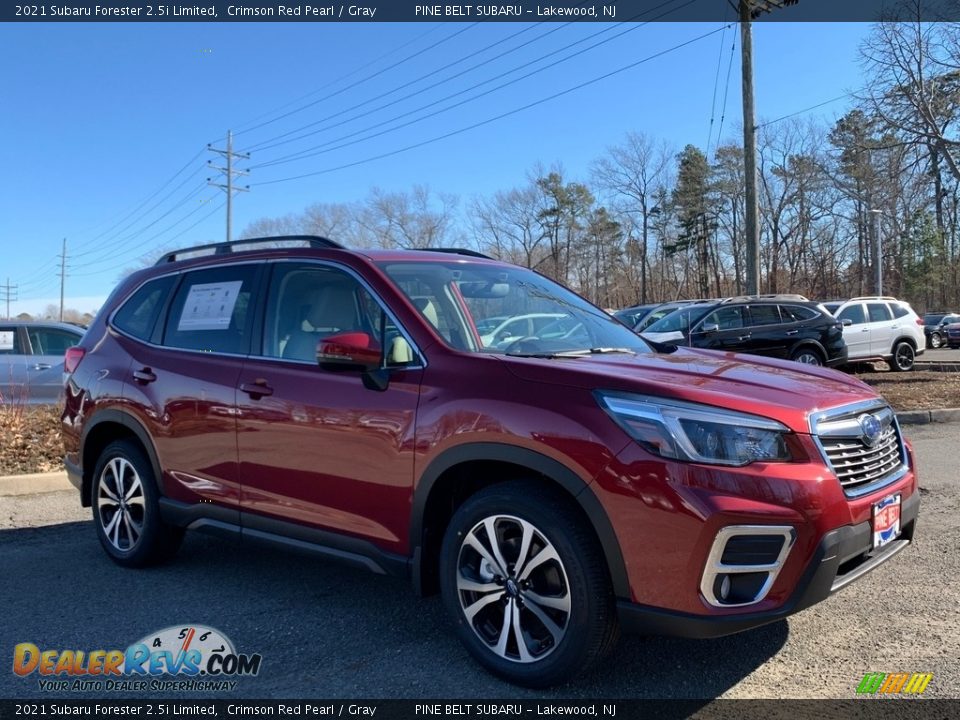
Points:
(885, 520)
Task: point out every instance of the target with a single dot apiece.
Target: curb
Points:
(923, 417)
(34, 484)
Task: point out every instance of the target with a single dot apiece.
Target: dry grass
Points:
(29, 439)
(919, 390)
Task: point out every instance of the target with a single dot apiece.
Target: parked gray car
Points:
(31, 360)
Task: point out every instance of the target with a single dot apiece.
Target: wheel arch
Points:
(105, 427)
(903, 338)
(811, 344)
(460, 471)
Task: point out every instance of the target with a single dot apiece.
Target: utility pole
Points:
(749, 9)
(9, 293)
(229, 172)
(63, 275)
(750, 150)
(878, 251)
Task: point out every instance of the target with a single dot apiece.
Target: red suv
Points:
(555, 488)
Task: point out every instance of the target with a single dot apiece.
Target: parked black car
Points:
(776, 327)
(951, 336)
(934, 327)
(630, 316)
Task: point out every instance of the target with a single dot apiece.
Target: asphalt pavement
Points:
(324, 630)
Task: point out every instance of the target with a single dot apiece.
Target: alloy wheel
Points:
(513, 588)
(121, 504)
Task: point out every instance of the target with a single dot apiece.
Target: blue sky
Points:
(97, 117)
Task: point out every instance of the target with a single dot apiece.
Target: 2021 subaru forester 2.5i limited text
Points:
(555, 489)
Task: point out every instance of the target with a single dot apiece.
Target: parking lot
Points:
(328, 631)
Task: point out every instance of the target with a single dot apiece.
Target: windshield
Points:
(679, 320)
(508, 310)
(832, 307)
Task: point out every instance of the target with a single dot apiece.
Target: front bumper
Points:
(843, 555)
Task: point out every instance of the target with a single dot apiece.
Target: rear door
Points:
(883, 328)
(767, 331)
(182, 384)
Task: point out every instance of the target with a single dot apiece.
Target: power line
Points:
(716, 83)
(377, 59)
(806, 109)
(268, 144)
(489, 120)
(142, 203)
(362, 80)
(324, 148)
(726, 92)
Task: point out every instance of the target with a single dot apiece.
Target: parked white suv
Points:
(880, 328)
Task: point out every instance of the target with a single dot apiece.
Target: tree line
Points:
(652, 222)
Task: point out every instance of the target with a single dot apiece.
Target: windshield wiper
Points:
(576, 353)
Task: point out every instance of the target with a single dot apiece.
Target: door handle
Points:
(791, 332)
(144, 375)
(865, 330)
(257, 389)
(41, 366)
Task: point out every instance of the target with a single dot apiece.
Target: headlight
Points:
(697, 433)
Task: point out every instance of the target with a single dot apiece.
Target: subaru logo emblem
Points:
(871, 428)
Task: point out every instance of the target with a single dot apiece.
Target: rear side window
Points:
(212, 311)
(899, 310)
(50, 341)
(138, 314)
(797, 313)
(764, 315)
(878, 312)
(854, 313)
(9, 341)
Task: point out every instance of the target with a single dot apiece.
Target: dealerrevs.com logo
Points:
(177, 658)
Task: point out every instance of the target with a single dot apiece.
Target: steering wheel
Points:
(516, 344)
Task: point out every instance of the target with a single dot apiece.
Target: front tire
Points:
(126, 510)
(936, 341)
(524, 579)
(903, 357)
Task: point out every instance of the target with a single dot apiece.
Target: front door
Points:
(321, 448)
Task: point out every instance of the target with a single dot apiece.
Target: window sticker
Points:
(6, 339)
(209, 306)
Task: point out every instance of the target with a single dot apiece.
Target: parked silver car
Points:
(31, 360)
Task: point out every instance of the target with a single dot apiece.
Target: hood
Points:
(778, 389)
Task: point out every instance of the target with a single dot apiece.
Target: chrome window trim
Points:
(303, 261)
(714, 565)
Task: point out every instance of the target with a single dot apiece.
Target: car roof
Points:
(54, 324)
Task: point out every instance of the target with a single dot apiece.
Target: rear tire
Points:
(807, 356)
(126, 510)
(535, 606)
(903, 357)
(936, 341)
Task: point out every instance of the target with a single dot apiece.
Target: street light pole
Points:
(878, 253)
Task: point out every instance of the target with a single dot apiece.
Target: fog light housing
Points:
(744, 562)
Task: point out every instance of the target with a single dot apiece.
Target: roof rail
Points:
(767, 296)
(873, 297)
(225, 248)
(456, 251)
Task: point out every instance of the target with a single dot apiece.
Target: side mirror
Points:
(846, 322)
(352, 350)
(710, 327)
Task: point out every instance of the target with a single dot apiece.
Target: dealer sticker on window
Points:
(886, 520)
(6, 340)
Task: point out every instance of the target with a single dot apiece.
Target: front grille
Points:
(855, 463)
(861, 466)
